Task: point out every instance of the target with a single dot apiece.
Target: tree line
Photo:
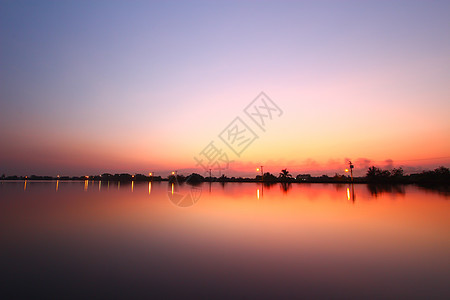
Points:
(374, 174)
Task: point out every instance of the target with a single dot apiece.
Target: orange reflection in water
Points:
(309, 231)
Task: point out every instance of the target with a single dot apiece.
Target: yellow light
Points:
(132, 176)
(346, 170)
(348, 194)
(257, 194)
(257, 169)
(150, 174)
(173, 173)
(86, 176)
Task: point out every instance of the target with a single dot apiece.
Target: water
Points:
(238, 240)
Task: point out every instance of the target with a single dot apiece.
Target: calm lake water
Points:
(238, 240)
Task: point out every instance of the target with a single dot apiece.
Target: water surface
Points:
(237, 240)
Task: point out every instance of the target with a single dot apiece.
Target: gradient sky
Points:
(115, 86)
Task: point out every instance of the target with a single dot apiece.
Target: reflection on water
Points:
(184, 195)
(239, 240)
(285, 186)
(351, 193)
(377, 190)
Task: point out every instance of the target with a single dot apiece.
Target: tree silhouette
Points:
(397, 172)
(269, 177)
(373, 172)
(285, 175)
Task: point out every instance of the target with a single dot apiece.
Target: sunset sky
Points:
(140, 86)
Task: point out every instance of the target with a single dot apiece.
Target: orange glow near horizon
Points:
(315, 157)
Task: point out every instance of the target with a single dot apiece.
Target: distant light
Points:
(150, 174)
(173, 173)
(346, 170)
(57, 176)
(132, 176)
(257, 169)
(87, 177)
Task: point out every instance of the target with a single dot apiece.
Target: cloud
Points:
(363, 163)
(389, 163)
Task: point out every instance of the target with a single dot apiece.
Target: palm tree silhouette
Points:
(284, 175)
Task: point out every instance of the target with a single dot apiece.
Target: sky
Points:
(88, 87)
